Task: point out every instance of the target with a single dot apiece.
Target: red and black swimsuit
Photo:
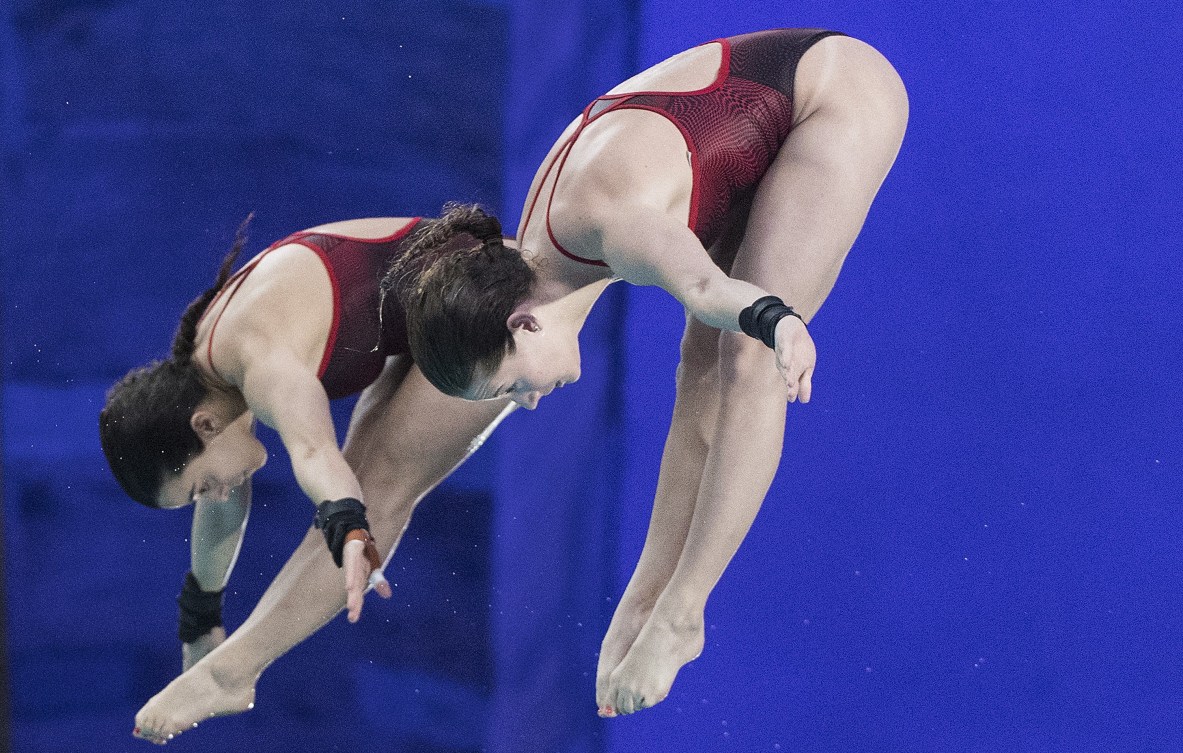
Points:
(359, 341)
(733, 128)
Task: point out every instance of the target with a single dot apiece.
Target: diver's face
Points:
(541, 362)
(230, 457)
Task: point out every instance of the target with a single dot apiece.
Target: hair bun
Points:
(471, 219)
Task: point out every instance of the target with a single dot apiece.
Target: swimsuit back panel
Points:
(359, 339)
(733, 128)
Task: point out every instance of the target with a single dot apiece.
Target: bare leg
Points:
(807, 212)
(405, 437)
(686, 446)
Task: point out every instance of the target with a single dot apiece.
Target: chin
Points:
(260, 457)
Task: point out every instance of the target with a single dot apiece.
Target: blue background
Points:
(974, 540)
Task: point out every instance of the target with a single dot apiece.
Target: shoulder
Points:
(625, 159)
(367, 228)
(284, 304)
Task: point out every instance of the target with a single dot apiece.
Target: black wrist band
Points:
(201, 611)
(336, 518)
(760, 319)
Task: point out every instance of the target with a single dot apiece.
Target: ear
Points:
(523, 320)
(205, 424)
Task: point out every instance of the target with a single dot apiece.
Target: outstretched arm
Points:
(287, 396)
(217, 532)
(649, 247)
(216, 539)
(405, 438)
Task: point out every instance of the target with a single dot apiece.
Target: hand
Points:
(362, 567)
(795, 357)
(191, 653)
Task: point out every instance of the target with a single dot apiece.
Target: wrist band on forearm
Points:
(760, 319)
(200, 611)
(336, 518)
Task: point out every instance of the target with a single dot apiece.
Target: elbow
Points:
(308, 462)
(304, 455)
(696, 296)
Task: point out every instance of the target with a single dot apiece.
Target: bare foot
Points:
(195, 696)
(626, 625)
(645, 675)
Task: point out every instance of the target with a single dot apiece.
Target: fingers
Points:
(798, 382)
(353, 604)
(379, 583)
(363, 567)
(796, 357)
(377, 580)
(806, 386)
(356, 572)
(372, 557)
(791, 386)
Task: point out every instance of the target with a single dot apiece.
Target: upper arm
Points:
(651, 248)
(648, 247)
(217, 532)
(284, 393)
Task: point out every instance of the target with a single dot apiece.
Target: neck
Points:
(565, 300)
(224, 398)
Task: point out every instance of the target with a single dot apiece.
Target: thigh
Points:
(812, 202)
(408, 436)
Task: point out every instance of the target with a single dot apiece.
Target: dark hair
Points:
(144, 426)
(457, 284)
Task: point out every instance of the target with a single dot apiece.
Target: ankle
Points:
(678, 614)
(230, 675)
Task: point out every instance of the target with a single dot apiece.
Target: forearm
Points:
(216, 537)
(716, 301)
(287, 396)
(323, 474)
(646, 247)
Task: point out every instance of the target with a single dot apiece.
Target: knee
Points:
(389, 505)
(695, 372)
(699, 351)
(889, 97)
(747, 367)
